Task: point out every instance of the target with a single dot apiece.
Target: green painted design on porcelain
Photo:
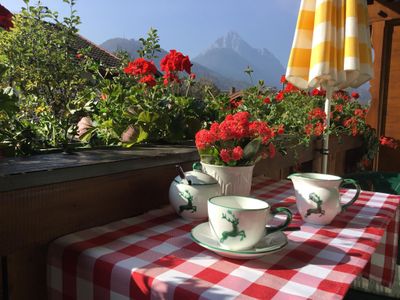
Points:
(187, 196)
(235, 230)
(317, 200)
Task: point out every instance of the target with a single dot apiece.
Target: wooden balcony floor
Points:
(357, 295)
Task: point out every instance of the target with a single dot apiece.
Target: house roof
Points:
(5, 18)
(96, 52)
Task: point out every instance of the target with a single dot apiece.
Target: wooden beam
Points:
(378, 33)
(381, 10)
(392, 5)
(378, 84)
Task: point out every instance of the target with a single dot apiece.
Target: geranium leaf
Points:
(251, 149)
(88, 135)
(147, 117)
(207, 158)
(143, 135)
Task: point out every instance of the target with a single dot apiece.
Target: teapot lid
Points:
(197, 178)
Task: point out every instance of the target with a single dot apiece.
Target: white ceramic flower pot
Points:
(233, 180)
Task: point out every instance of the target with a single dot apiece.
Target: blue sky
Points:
(189, 26)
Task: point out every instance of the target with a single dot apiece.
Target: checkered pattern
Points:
(331, 44)
(152, 256)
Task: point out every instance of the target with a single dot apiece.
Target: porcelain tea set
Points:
(240, 226)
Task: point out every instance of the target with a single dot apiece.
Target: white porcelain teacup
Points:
(318, 196)
(239, 223)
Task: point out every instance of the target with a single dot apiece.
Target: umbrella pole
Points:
(325, 147)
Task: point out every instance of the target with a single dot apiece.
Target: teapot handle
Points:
(353, 182)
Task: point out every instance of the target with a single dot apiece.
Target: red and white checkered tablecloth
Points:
(153, 257)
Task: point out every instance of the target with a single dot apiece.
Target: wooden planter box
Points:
(48, 196)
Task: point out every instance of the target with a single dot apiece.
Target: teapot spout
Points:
(291, 176)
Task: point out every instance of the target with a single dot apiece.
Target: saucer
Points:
(273, 242)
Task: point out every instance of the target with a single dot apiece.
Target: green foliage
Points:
(155, 114)
(150, 45)
(52, 84)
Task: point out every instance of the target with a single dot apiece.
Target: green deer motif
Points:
(235, 231)
(186, 195)
(316, 199)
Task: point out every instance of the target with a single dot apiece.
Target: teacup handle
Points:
(353, 182)
(279, 210)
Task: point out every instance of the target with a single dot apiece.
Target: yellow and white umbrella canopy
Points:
(331, 48)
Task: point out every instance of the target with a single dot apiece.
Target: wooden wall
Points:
(389, 160)
(31, 218)
(384, 114)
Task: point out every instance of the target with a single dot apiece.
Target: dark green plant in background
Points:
(53, 86)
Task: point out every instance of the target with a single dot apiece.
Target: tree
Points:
(52, 80)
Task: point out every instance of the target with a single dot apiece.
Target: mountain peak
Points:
(231, 40)
(230, 55)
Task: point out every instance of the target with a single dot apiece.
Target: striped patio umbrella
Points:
(331, 49)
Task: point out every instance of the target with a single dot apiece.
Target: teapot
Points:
(189, 193)
(318, 197)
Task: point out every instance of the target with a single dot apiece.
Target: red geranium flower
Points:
(279, 97)
(283, 79)
(149, 80)
(204, 138)
(281, 129)
(175, 61)
(289, 88)
(140, 66)
(340, 94)
(103, 96)
(308, 129)
(186, 64)
(267, 100)
(365, 163)
(339, 108)
(388, 142)
(319, 129)
(225, 155)
(355, 95)
(237, 153)
(317, 113)
(170, 77)
(359, 112)
(272, 150)
(225, 142)
(317, 92)
(235, 103)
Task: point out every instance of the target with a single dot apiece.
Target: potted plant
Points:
(230, 149)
